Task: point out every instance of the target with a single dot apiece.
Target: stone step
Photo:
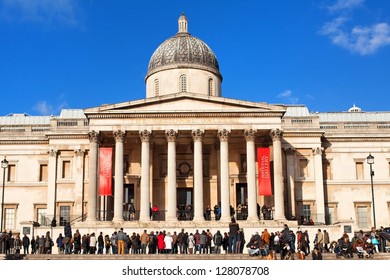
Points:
(326, 256)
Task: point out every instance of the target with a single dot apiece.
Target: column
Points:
(144, 214)
(276, 135)
(320, 200)
(79, 180)
(223, 136)
(197, 136)
(171, 203)
(290, 181)
(51, 184)
(251, 174)
(118, 191)
(94, 138)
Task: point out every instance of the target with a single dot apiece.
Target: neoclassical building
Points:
(186, 145)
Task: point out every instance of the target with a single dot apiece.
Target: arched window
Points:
(183, 83)
(156, 87)
(210, 86)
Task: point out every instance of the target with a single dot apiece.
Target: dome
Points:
(183, 51)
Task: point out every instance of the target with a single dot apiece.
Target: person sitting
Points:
(316, 254)
(253, 247)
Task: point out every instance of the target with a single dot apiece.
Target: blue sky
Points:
(326, 54)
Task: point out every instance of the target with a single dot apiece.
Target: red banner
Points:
(264, 172)
(105, 171)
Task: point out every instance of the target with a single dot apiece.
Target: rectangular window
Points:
(41, 217)
(11, 173)
(362, 216)
(43, 173)
(329, 218)
(64, 215)
(243, 163)
(359, 171)
(305, 214)
(303, 172)
(9, 218)
(66, 169)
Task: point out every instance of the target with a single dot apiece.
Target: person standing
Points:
(233, 233)
(191, 243)
(320, 240)
(17, 244)
(144, 241)
(100, 241)
(326, 241)
(121, 242)
(217, 238)
(26, 243)
(33, 245)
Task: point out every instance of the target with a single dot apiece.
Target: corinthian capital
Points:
(250, 134)
(276, 134)
(145, 135)
(197, 135)
(94, 137)
(224, 135)
(119, 135)
(171, 135)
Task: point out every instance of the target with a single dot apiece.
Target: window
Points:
(43, 172)
(156, 87)
(305, 214)
(41, 217)
(243, 166)
(9, 218)
(11, 173)
(183, 83)
(64, 215)
(210, 86)
(303, 171)
(359, 170)
(66, 169)
(329, 215)
(362, 216)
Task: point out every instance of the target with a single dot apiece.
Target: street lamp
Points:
(370, 161)
(4, 165)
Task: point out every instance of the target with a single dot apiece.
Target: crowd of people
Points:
(284, 244)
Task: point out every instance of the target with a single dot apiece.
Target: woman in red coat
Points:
(161, 243)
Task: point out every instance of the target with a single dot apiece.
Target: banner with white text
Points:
(264, 170)
(105, 171)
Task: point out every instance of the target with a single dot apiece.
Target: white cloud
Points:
(341, 5)
(43, 108)
(287, 95)
(47, 12)
(363, 40)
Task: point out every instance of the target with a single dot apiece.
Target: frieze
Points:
(183, 115)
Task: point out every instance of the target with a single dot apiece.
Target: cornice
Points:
(24, 142)
(183, 115)
(80, 136)
(357, 139)
(302, 134)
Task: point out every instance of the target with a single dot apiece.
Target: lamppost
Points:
(370, 161)
(4, 165)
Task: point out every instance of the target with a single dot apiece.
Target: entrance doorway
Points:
(185, 203)
(241, 201)
(129, 213)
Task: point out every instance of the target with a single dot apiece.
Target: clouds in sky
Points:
(47, 12)
(45, 108)
(362, 40)
(288, 97)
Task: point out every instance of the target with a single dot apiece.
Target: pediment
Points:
(185, 103)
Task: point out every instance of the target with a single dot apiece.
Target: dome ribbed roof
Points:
(183, 51)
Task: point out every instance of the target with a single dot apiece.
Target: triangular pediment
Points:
(183, 103)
